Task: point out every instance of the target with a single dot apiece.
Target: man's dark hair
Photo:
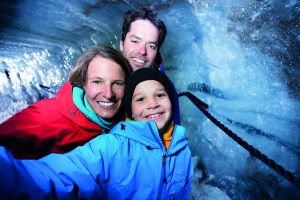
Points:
(144, 13)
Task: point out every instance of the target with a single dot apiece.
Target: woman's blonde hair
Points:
(78, 75)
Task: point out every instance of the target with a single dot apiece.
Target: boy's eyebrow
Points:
(156, 90)
(137, 94)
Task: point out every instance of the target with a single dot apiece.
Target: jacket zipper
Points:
(164, 168)
(163, 179)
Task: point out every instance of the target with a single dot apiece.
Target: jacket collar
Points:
(67, 108)
(147, 134)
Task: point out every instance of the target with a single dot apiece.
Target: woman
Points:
(144, 159)
(86, 106)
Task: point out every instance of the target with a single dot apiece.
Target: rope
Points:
(254, 152)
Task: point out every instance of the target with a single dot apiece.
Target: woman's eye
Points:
(161, 95)
(96, 82)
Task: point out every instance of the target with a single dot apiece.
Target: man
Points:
(143, 33)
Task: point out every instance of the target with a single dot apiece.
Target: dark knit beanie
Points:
(144, 74)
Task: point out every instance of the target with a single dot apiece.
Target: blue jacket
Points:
(129, 163)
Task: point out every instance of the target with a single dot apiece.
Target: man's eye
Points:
(119, 83)
(134, 41)
(153, 47)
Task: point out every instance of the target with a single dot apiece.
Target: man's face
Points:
(140, 45)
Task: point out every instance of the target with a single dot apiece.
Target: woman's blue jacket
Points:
(128, 163)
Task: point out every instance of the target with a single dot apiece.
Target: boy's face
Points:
(140, 45)
(150, 101)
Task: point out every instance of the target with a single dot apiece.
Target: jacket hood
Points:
(147, 134)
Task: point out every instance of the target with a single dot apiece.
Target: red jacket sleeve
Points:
(24, 132)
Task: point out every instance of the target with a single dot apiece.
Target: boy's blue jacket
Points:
(129, 163)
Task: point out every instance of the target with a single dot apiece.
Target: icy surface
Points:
(240, 57)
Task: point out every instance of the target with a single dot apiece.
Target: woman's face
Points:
(150, 101)
(105, 86)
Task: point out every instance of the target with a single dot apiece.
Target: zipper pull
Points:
(164, 159)
(164, 163)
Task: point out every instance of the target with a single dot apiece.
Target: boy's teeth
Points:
(153, 116)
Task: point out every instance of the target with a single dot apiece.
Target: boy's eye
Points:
(139, 99)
